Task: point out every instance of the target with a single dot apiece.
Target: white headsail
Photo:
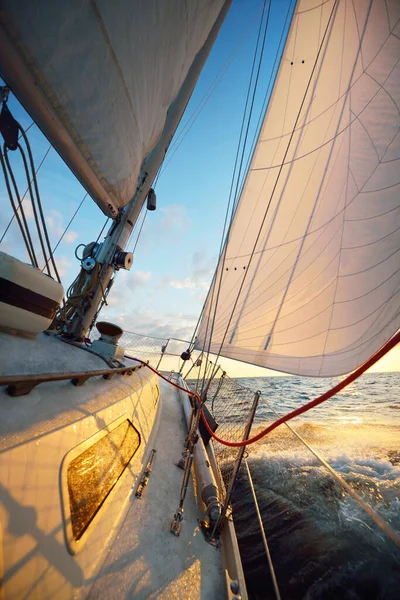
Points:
(100, 76)
(310, 276)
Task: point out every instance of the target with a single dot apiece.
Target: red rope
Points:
(299, 411)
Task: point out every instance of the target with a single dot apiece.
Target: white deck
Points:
(146, 560)
(127, 550)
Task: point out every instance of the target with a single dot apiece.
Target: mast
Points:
(107, 256)
(109, 101)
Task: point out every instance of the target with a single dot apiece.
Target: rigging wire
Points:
(252, 104)
(104, 292)
(198, 109)
(30, 174)
(28, 128)
(305, 408)
(34, 208)
(140, 230)
(317, 401)
(256, 134)
(257, 131)
(27, 189)
(200, 106)
(22, 226)
(236, 173)
(75, 290)
(102, 229)
(67, 227)
(38, 200)
(277, 177)
(366, 507)
(207, 95)
(144, 209)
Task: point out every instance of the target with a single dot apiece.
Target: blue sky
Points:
(163, 293)
(179, 245)
(177, 252)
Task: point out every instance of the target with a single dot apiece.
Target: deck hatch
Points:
(92, 475)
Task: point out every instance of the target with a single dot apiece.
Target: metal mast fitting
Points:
(107, 257)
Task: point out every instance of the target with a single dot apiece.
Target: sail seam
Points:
(235, 352)
(249, 288)
(223, 246)
(281, 168)
(251, 152)
(348, 96)
(115, 61)
(311, 298)
(328, 108)
(359, 191)
(232, 217)
(339, 133)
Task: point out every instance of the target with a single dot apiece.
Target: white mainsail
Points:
(100, 76)
(310, 275)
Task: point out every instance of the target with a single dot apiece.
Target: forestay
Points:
(99, 77)
(311, 269)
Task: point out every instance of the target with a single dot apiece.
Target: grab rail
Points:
(19, 385)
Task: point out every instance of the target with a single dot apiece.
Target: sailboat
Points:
(307, 281)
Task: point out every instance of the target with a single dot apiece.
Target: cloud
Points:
(174, 217)
(127, 282)
(162, 229)
(137, 279)
(28, 208)
(133, 312)
(158, 325)
(181, 284)
(14, 244)
(70, 237)
(201, 271)
(56, 227)
(63, 263)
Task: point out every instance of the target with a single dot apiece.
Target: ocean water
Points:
(322, 543)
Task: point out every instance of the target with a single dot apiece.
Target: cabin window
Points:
(92, 475)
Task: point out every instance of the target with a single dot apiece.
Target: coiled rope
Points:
(79, 289)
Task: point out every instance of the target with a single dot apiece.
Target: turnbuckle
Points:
(176, 522)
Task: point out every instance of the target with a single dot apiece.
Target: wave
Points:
(322, 544)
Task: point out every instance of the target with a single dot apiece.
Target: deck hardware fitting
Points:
(176, 522)
(207, 531)
(108, 376)
(78, 381)
(146, 475)
(181, 462)
(233, 587)
(190, 442)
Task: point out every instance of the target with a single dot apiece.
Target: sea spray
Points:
(322, 543)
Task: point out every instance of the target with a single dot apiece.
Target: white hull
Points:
(127, 549)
